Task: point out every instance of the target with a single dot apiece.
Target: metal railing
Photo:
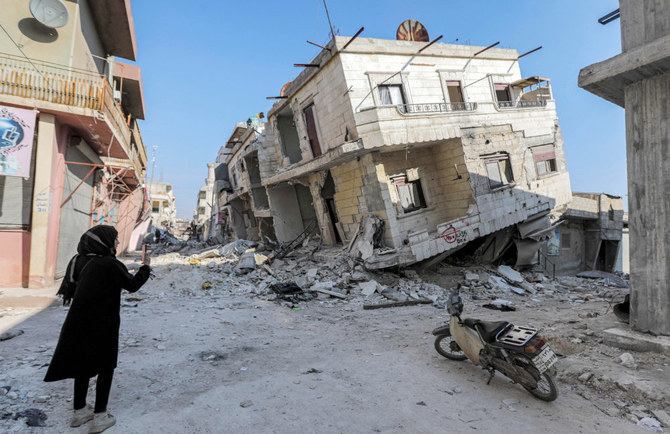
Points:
(58, 84)
(522, 104)
(541, 257)
(52, 83)
(438, 107)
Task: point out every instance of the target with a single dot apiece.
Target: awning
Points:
(525, 82)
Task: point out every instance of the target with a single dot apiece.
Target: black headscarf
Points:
(97, 241)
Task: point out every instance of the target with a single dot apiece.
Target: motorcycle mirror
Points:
(455, 303)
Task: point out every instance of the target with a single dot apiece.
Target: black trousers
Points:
(102, 388)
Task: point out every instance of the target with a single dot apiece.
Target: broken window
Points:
(545, 159)
(312, 135)
(502, 92)
(499, 170)
(455, 95)
(565, 240)
(410, 193)
(391, 94)
(290, 144)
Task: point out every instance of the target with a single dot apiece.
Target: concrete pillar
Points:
(648, 151)
(42, 201)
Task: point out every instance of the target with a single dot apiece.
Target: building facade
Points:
(445, 146)
(88, 158)
(163, 205)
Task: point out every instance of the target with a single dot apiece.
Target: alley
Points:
(231, 358)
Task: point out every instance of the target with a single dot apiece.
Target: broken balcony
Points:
(532, 92)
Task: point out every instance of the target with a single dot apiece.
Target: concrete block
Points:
(631, 340)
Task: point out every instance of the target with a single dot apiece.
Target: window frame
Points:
(545, 155)
(509, 180)
(311, 106)
(402, 180)
(389, 86)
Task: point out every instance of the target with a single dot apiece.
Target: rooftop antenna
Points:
(332, 33)
(51, 13)
(153, 163)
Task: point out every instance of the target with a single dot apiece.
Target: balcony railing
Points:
(438, 107)
(53, 83)
(521, 104)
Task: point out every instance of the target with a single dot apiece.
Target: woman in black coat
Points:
(89, 340)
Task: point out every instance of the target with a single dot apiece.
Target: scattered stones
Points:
(471, 277)
(662, 417)
(627, 360)
(585, 377)
(650, 424)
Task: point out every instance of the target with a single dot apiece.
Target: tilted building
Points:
(445, 146)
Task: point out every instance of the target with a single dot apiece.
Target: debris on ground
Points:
(10, 334)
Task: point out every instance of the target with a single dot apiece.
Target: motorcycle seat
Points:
(487, 329)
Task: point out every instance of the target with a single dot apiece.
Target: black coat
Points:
(89, 339)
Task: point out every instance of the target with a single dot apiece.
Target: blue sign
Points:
(11, 133)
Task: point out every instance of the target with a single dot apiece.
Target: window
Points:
(391, 94)
(312, 135)
(502, 92)
(455, 95)
(499, 170)
(410, 193)
(233, 178)
(155, 207)
(565, 240)
(545, 159)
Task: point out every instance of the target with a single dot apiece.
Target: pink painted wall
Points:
(14, 258)
(63, 133)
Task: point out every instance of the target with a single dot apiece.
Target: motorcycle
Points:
(519, 353)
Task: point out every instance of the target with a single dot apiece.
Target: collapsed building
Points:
(443, 146)
(431, 148)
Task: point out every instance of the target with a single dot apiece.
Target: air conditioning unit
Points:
(117, 95)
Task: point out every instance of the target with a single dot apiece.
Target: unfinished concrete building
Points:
(589, 236)
(445, 146)
(639, 80)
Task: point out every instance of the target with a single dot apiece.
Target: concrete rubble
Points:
(572, 312)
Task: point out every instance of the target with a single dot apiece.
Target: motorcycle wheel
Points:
(447, 347)
(546, 388)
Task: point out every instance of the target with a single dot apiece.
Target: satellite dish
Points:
(51, 13)
(283, 89)
(412, 30)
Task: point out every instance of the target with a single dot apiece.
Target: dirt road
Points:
(222, 360)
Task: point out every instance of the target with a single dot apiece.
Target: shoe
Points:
(81, 416)
(101, 421)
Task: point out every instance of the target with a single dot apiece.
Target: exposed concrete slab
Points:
(608, 78)
(630, 340)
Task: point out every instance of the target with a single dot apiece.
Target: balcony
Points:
(521, 104)
(73, 92)
(440, 107)
(399, 125)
